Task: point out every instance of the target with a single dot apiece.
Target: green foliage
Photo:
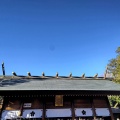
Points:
(118, 51)
(114, 68)
(114, 101)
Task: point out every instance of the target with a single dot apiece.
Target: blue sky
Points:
(64, 36)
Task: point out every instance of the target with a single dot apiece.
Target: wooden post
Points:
(110, 110)
(73, 110)
(93, 108)
(21, 108)
(44, 110)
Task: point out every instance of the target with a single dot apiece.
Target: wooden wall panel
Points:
(67, 104)
(36, 104)
(100, 103)
(82, 103)
(13, 105)
(50, 104)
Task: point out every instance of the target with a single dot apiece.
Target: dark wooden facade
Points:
(74, 106)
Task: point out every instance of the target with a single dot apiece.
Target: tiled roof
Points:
(57, 83)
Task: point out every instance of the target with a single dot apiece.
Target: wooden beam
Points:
(44, 110)
(21, 108)
(73, 110)
(110, 110)
(93, 108)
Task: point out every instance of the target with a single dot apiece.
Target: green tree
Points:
(114, 66)
(114, 101)
(114, 69)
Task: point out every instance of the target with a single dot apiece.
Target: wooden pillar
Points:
(93, 108)
(44, 110)
(21, 108)
(73, 110)
(110, 110)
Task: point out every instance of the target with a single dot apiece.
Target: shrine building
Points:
(56, 97)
